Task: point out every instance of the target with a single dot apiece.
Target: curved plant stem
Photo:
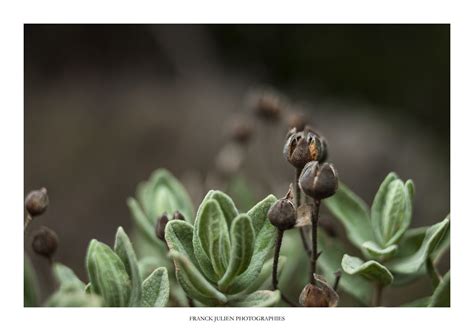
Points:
(279, 240)
(338, 275)
(433, 272)
(297, 204)
(377, 298)
(314, 238)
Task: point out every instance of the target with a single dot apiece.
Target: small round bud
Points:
(282, 214)
(36, 202)
(241, 131)
(178, 216)
(45, 242)
(160, 226)
(303, 146)
(320, 294)
(319, 181)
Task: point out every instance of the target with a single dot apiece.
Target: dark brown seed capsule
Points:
(297, 120)
(160, 226)
(45, 242)
(178, 216)
(269, 107)
(319, 181)
(303, 147)
(320, 294)
(282, 214)
(36, 202)
(241, 132)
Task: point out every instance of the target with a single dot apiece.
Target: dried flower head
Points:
(241, 131)
(37, 201)
(269, 107)
(282, 214)
(319, 181)
(304, 146)
(45, 242)
(160, 226)
(297, 120)
(320, 294)
(178, 216)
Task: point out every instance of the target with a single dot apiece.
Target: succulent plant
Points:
(115, 279)
(220, 259)
(390, 252)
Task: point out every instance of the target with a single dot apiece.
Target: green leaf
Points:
(353, 213)
(124, 249)
(378, 206)
(107, 275)
(226, 204)
(144, 225)
(263, 298)
(156, 289)
(422, 302)
(412, 264)
(212, 234)
(330, 262)
(442, 294)
(179, 237)
(371, 270)
(66, 278)
(147, 265)
(264, 244)
(242, 239)
(30, 284)
(376, 252)
(195, 285)
(74, 299)
(264, 279)
(259, 212)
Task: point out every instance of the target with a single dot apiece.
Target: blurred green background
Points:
(107, 104)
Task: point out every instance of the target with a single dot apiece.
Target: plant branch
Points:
(28, 220)
(276, 256)
(314, 237)
(297, 204)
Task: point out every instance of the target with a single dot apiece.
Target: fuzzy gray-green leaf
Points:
(179, 237)
(262, 298)
(194, 283)
(108, 275)
(30, 284)
(374, 251)
(378, 205)
(144, 225)
(227, 206)
(213, 236)
(264, 279)
(442, 294)
(258, 213)
(156, 289)
(66, 278)
(412, 263)
(353, 213)
(242, 238)
(124, 249)
(371, 270)
(74, 299)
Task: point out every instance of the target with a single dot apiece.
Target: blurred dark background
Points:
(107, 104)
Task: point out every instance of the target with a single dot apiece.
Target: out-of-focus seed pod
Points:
(241, 131)
(45, 242)
(37, 201)
(303, 147)
(297, 120)
(319, 181)
(282, 214)
(178, 216)
(160, 226)
(320, 294)
(269, 107)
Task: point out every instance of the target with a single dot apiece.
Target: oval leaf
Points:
(258, 299)
(376, 252)
(66, 278)
(378, 206)
(413, 263)
(442, 294)
(258, 213)
(371, 270)
(242, 239)
(156, 289)
(107, 275)
(353, 213)
(124, 249)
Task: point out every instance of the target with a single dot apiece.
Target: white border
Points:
(11, 130)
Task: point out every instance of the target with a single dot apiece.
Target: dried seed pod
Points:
(37, 201)
(178, 216)
(319, 181)
(160, 226)
(303, 147)
(282, 214)
(320, 294)
(45, 242)
(269, 107)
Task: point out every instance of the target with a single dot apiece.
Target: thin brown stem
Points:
(28, 220)
(377, 297)
(314, 238)
(336, 281)
(276, 256)
(304, 241)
